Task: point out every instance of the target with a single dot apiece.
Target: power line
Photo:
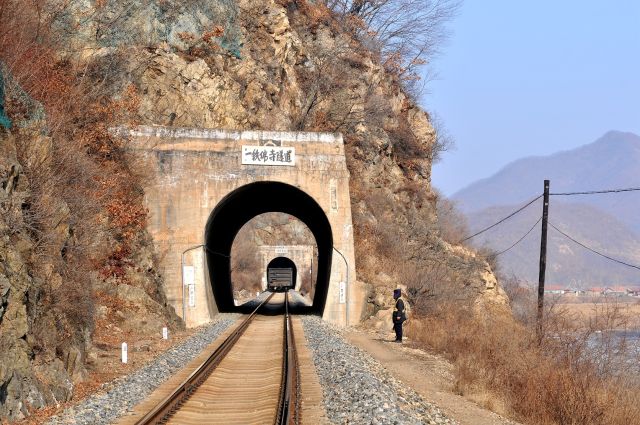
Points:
(520, 240)
(501, 221)
(594, 192)
(593, 250)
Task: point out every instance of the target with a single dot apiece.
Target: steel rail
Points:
(295, 377)
(170, 404)
(288, 412)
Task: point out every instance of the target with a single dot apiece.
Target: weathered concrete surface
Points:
(191, 170)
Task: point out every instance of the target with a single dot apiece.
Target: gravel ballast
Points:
(357, 389)
(125, 392)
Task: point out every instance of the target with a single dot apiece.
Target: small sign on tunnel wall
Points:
(189, 273)
(343, 292)
(268, 155)
(192, 295)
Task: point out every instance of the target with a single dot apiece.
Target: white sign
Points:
(343, 292)
(189, 274)
(268, 155)
(124, 352)
(281, 250)
(165, 333)
(192, 295)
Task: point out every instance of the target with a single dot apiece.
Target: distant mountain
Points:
(612, 161)
(568, 264)
(608, 223)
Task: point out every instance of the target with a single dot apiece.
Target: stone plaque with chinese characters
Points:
(268, 155)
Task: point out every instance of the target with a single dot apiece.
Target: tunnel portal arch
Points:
(200, 178)
(284, 263)
(243, 204)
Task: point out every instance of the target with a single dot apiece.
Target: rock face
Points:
(24, 383)
(295, 71)
(47, 325)
(242, 65)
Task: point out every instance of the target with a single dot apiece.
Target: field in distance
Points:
(624, 310)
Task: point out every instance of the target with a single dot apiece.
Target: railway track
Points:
(251, 378)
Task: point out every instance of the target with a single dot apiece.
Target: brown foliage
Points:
(405, 33)
(556, 380)
(451, 222)
(317, 13)
(204, 44)
(84, 208)
(406, 145)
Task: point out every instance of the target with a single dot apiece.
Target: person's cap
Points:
(396, 292)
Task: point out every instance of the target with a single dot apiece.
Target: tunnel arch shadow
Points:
(240, 206)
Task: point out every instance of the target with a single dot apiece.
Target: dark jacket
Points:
(398, 313)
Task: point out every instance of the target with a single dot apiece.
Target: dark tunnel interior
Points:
(284, 263)
(240, 206)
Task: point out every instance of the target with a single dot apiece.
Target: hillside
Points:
(606, 222)
(568, 264)
(609, 162)
(75, 253)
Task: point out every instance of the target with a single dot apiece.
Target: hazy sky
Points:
(521, 78)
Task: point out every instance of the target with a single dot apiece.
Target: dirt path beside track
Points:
(429, 375)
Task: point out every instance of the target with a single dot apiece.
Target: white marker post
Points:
(165, 333)
(124, 352)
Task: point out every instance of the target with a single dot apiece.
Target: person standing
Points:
(399, 315)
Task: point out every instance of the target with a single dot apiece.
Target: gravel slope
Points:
(357, 389)
(126, 392)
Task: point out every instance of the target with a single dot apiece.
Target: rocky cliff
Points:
(282, 65)
(65, 292)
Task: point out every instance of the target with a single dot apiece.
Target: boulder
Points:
(59, 386)
(147, 316)
(74, 364)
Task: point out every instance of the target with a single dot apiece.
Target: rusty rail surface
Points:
(167, 407)
(288, 412)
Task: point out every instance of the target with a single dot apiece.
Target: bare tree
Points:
(407, 33)
(452, 223)
(444, 141)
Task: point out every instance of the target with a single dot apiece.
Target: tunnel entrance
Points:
(281, 274)
(245, 203)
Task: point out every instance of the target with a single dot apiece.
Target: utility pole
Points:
(543, 255)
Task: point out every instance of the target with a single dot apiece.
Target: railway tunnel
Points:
(247, 202)
(205, 184)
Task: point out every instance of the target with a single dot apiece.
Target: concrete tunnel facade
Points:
(248, 201)
(205, 184)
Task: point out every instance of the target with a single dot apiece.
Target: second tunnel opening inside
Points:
(265, 238)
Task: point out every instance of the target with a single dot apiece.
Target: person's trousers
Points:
(398, 328)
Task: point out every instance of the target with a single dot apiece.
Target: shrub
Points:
(553, 380)
(451, 222)
(405, 33)
(83, 209)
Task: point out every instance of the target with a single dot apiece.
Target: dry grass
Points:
(558, 379)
